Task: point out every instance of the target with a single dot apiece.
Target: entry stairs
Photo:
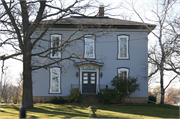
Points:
(89, 99)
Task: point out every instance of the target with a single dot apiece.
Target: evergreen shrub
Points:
(152, 98)
(125, 86)
(106, 96)
(74, 95)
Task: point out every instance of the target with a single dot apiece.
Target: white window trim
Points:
(119, 37)
(124, 69)
(59, 80)
(52, 46)
(85, 56)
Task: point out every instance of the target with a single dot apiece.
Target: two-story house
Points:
(105, 47)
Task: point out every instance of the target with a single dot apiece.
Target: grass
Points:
(82, 111)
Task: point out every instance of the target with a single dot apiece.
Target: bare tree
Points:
(4, 90)
(16, 90)
(10, 91)
(5, 84)
(171, 95)
(164, 56)
(156, 91)
(19, 20)
(152, 77)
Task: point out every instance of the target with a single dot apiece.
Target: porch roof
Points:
(79, 62)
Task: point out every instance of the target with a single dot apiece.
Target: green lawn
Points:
(82, 111)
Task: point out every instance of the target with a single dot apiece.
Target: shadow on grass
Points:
(31, 116)
(16, 107)
(59, 111)
(69, 111)
(151, 110)
(2, 111)
(10, 111)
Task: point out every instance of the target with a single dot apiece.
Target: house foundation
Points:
(42, 99)
(136, 100)
(47, 99)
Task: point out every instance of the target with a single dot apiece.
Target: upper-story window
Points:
(89, 47)
(123, 73)
(55, 46)
(123, 47)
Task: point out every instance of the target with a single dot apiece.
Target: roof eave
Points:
(151, 27)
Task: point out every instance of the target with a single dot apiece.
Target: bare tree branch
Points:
(170, 82)
(14, 24)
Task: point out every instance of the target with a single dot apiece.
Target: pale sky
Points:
(123, 11)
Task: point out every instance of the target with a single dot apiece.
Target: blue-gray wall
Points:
(106, 49)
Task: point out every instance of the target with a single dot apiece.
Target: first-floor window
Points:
(55, 80)
(123, 73)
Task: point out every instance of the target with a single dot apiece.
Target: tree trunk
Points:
(161, 63)
(162, 79)
(162, 96)
(27, 77)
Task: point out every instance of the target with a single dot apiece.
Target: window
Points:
(89, 68)
(123, 72)
(123, 43)
(55, 46)
(55, 80)
(89, 46)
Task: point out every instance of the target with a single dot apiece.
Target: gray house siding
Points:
(106, 49)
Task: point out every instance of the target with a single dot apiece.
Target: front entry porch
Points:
(89, 79)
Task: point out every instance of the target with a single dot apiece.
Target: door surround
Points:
(89, 68)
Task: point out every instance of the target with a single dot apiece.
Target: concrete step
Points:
(89, 99)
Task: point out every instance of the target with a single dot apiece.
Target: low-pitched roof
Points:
(98, 22)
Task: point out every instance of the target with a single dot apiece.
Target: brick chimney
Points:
(101, 10)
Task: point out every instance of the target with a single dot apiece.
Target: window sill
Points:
(55, 57)
(89, 57)
(123, 58)
(54, 92)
